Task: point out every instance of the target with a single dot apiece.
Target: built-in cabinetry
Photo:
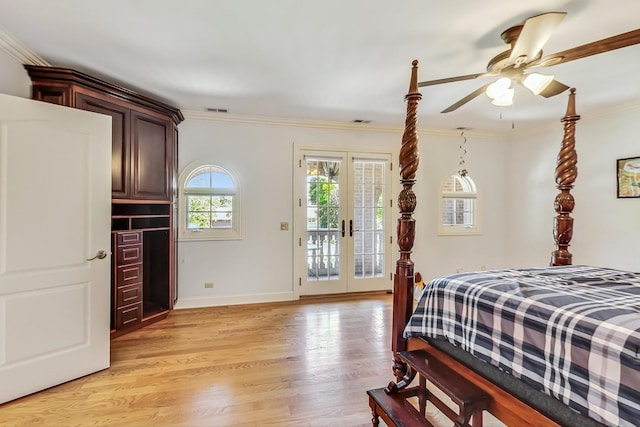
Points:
(144, 168)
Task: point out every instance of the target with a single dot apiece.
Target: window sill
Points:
(207, 235)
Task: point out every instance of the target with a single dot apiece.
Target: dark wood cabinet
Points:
(120, 149)
(144, 179)
(151, 157)
(127, 279)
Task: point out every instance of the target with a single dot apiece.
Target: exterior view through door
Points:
(342, 217)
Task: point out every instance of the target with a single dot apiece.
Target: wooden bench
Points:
(395, 408)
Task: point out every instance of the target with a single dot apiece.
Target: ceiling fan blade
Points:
(466, 99)
(534, 34)
(610, 43)
(554, 88)
(453, 79)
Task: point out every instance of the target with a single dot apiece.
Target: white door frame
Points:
(299, 219)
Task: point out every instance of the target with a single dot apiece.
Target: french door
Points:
(342, 222)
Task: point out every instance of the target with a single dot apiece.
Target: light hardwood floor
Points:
(304, 363)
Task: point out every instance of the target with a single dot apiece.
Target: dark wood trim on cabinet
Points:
(66, 77)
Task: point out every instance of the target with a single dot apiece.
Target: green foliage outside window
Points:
(324, 195)
(210, 211)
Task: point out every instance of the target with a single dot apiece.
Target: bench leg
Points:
(423, 397)
(476, 419)
(375, 421)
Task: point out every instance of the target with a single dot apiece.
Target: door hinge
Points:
(299, 281)
(390, 239)
(299, 241)
(299, 202)
(390, 276)
(391, 203)
(300, 163)
(390, 166)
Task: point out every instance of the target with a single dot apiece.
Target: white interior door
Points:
(342, 222)
(55, 207)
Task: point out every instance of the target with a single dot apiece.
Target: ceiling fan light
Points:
(498, 88)
(536, 83)
(504, 100)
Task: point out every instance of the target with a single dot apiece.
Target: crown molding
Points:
(556, 126)
(20, 51)
(318, 124)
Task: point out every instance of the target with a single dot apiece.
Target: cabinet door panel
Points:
(120, 163)
(152, 152)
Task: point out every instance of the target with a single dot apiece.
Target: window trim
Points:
(459, 230)
(187, 234)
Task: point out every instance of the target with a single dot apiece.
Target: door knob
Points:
(101, 254)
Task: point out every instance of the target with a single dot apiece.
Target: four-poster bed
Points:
(523, 371)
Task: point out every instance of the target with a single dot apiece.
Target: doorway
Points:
(342, 222)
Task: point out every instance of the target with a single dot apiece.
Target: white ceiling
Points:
(329, 60)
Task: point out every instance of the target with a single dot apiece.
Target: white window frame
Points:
(185, 233)
(459, 230)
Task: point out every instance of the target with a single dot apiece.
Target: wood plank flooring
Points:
(303, 363)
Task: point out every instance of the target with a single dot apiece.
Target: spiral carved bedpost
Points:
(566, 174)
(403, 279)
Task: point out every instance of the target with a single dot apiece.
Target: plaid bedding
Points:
(572, 332)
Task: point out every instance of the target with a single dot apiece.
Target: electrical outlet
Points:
(208, 285)
(284, 226)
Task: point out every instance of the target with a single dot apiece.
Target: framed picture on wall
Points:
(628, 177)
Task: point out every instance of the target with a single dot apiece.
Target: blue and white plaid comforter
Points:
(572, 332)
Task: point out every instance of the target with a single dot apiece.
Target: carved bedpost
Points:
(566, 174)
(403, 279)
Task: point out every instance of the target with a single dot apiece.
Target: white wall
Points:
(485, 161)
(15, 80)
(606, 229)
(260, 266)
(514, 173)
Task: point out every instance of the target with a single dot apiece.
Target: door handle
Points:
(343, 228)
(350, 228)
(101, 254)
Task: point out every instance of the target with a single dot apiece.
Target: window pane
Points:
(222, 211)
(210, 177)
(209, 211)
(200, 180)
(198, 211)
(458, 212)
(221, 180)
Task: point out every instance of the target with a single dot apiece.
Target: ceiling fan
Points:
(526, 43)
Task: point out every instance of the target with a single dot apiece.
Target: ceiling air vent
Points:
(361, 121)
(217, 110)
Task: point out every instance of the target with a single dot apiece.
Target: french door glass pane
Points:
(368, 218)
(323, 221)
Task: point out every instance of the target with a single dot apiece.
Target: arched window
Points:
(458, 205)
(209, 203)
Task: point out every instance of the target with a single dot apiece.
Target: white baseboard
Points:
(199, 302)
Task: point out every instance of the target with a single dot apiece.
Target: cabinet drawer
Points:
(129, 254)
(129, 274)
(129, 238)
(128, 316)
(127, 295)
